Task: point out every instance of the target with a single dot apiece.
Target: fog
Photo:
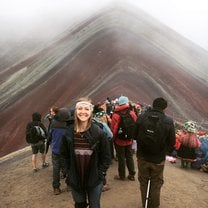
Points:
(42, 18)
(187, 17)
(39, 20)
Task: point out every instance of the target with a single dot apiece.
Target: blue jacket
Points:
(57, 131)
(56, 137)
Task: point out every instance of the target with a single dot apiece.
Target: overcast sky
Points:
(20, 17)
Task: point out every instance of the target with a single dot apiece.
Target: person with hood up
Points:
(57, 130)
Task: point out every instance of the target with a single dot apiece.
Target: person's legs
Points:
(112, 149)
(94, 196)
(156, 184)
(130, 162)
(120, 151)
(43, 155)
(34, 156)
(80, 198)
(143, 176)
(56, 172)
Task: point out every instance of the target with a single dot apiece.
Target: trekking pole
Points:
(147, 195)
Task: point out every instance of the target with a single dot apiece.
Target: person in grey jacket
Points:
(85, 149)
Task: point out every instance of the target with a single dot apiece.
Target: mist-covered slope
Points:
(118, 51)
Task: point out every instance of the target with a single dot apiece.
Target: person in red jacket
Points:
(123, 146)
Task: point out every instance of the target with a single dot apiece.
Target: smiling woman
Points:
(145, 59)
(86, 150)
(83, 114)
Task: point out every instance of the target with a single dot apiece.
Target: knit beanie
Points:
(122, 100)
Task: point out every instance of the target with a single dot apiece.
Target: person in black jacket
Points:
(40, 145)
(151, 162)
(86, 152)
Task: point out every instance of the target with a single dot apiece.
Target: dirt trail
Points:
(20, 188)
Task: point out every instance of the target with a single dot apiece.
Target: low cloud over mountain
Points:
(117, 51)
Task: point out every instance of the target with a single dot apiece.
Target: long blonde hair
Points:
(77, 122)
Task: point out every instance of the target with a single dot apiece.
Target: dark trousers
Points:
(57, 164)
(112, 149)
(125, 158)
(93, 195)
(155, 172)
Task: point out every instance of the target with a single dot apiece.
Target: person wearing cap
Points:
(151, 165)
(123, 147)
(188, 143)
(57, 130)
(85, 149)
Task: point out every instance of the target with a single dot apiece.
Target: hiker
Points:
(189, 142)
(85, 149)
(57, 130)
(109, 106)
(102, 115)
(105, 117)
(123, 144)
(100, 118)
(37, 142)
(50, 116)
(155, 134)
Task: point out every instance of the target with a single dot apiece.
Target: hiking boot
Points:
(131, 177)
(45, 165)
(68, 188)
(105, 188)
(56, 191)
(35, 170)
(62, 175)
(116, 177)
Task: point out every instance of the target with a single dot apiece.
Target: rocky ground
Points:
(20, 188)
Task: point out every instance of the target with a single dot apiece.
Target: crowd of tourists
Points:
(84, 140)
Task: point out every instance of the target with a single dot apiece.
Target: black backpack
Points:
(126, 126)
(151, 136)
(35, 134)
